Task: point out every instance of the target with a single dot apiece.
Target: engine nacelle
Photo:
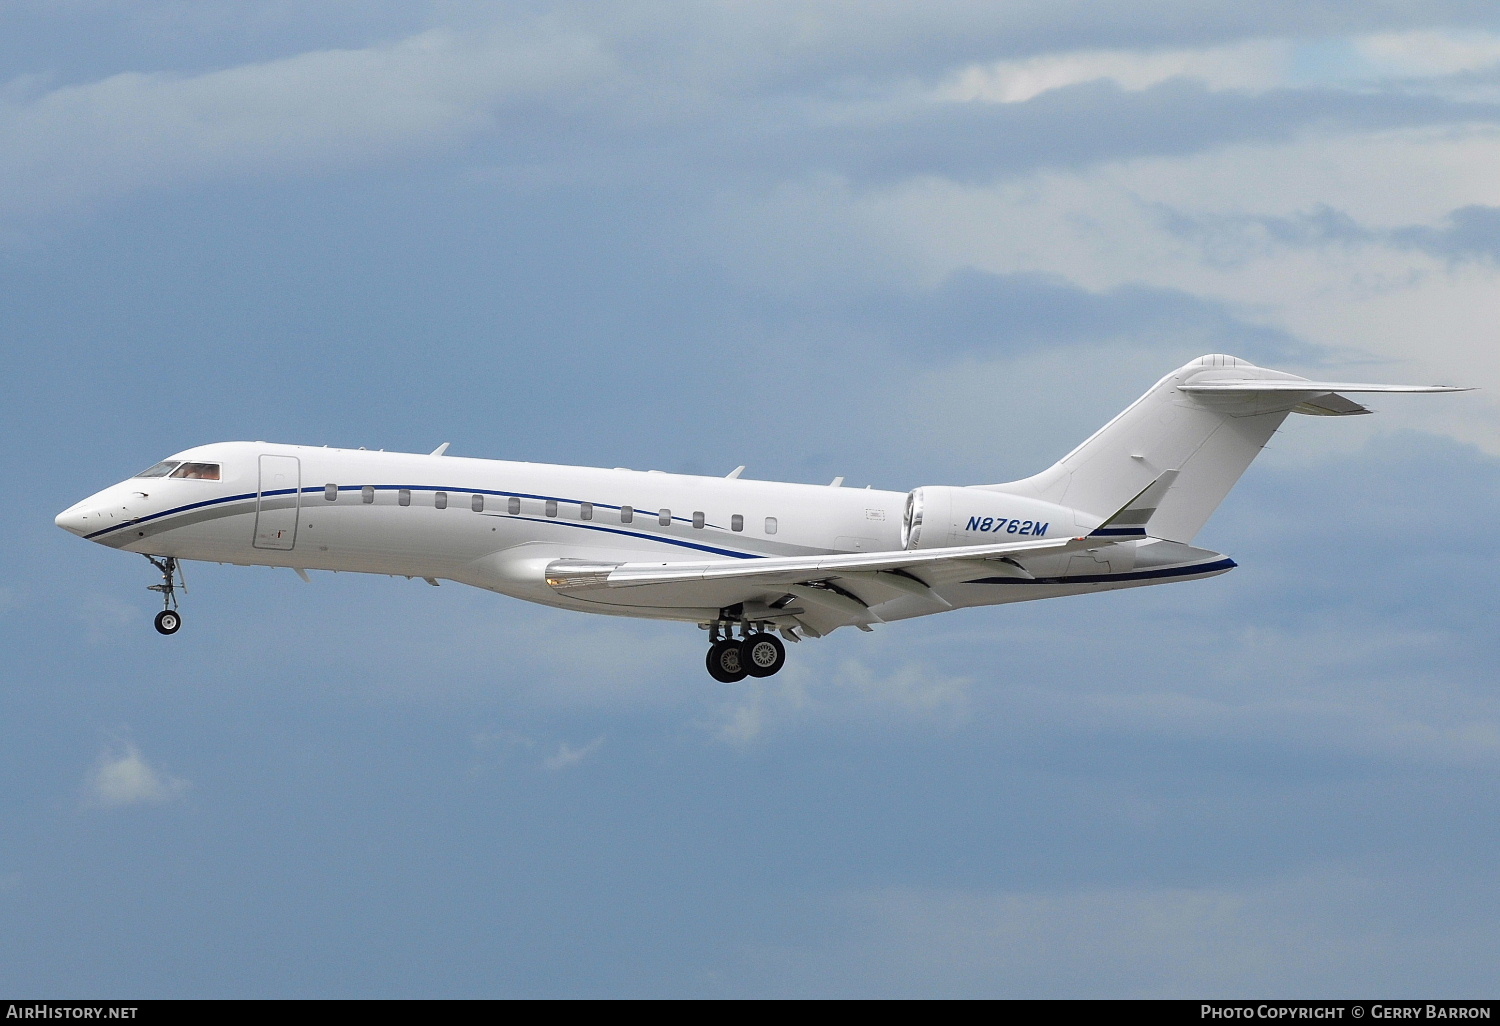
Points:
(938, 516)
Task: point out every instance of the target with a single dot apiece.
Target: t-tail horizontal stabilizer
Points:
(1317, 398)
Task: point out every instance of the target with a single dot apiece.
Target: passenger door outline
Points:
(278, 502)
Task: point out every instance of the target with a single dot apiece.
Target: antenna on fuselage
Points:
(440, 449)
(736, 472)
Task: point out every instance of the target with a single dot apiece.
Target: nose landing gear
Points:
(169, 619)
(755, 654)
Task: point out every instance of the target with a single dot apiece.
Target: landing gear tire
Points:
(724, 663)
(762, 654)
(169, 619)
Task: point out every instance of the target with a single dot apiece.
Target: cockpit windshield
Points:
(176, 468)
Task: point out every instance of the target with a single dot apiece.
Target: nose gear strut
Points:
(169, 619)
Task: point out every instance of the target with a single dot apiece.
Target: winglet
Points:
(736, 472)
(440, 449)
(1130, 520)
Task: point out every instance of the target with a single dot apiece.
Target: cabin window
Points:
(198, 471)
(514, 505)
(403, 497)
(552, 507)
(698, 519)
(585, 511)
(162, 469)
(440, 500)
(627, 514)
(367, 494)
(476, 503)
(331, 492)
(664, 518)
(737, 523)
(770, 525)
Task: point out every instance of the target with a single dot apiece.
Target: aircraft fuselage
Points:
(497, 525)
(732, 554)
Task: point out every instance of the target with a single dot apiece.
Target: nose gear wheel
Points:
(169, 619)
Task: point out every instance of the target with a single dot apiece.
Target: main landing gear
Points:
(754, 654)
(169, 619)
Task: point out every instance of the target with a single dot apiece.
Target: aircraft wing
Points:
(568, 574)
(816, 593)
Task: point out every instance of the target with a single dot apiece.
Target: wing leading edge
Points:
(567, 575)
(816, 594)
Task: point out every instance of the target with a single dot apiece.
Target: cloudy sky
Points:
(906, 243)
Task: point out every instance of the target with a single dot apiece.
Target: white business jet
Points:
(745, 560)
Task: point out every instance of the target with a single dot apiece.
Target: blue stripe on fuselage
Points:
(628, 534)
(181, 509)
(427, 488)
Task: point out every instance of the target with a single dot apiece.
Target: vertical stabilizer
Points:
(1206, 440)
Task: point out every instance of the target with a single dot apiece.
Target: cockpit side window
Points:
(198, 471)
(162, 469)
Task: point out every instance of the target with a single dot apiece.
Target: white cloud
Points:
(125, 778)
(965, 436)
(327, 108)
(1429, 52)
(513, 650)
(1250, 65)
(1336, 720)
(106, 616)
(501, 749)
(333, 108)
(1253, 65)
(567, 756)
(810, 691)
(1206, 667)
(1420, 316)
(1328, 928)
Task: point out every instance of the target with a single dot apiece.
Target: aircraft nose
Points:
(113, 507)
(77, 520)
